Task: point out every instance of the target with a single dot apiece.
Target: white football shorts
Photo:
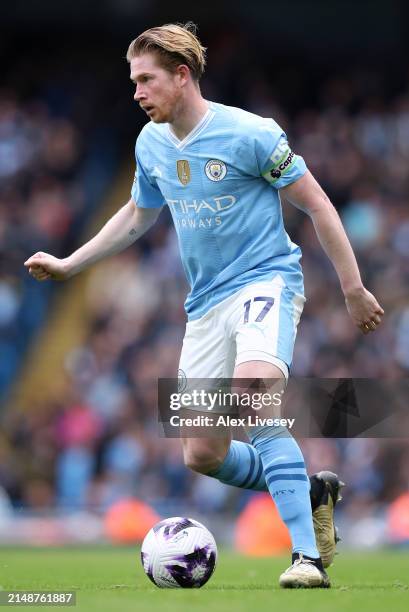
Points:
(258, 323)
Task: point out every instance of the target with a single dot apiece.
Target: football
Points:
(179, 552)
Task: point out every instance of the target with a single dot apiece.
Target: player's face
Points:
(158, 91)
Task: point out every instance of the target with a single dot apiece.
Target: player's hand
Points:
(364, 310)
(43, 266)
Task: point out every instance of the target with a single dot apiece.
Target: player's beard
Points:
(173, 109)
(169, 110)
(160, 115)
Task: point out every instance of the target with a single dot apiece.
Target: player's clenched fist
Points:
(43, 266)
(364, 310)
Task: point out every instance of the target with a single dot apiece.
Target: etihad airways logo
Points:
(200, 214)
(212, 205)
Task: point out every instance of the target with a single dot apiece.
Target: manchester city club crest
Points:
(183, 169)
(215, 170)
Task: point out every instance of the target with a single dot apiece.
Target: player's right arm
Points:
(126, 226)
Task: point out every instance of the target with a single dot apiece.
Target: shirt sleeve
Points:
(278, 164)
(145, 192)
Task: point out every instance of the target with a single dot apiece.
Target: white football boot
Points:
(304, 574)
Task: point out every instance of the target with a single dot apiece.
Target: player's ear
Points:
(183, 72)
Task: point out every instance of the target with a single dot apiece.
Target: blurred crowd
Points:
(100, 442)
(40, 198)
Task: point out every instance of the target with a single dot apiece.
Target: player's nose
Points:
(139, 94)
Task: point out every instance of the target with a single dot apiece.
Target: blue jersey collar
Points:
(199, 127)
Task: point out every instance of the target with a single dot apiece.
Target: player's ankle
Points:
(316, 560)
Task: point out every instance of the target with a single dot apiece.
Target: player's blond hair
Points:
(175, 44)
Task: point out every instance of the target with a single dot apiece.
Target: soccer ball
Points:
(179, 552)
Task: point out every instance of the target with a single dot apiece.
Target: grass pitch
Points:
(111, 579)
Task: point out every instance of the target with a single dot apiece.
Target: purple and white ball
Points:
(179, 552)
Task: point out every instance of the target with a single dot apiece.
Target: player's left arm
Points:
(307, 195)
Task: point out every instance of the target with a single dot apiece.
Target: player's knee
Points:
(201, 458)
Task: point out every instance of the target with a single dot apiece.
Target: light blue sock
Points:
(242, 467)
(288, 484)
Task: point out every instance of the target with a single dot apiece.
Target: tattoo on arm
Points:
(132, 232)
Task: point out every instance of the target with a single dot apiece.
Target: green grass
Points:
(111, 579)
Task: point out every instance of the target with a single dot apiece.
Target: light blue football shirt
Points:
(221, 185)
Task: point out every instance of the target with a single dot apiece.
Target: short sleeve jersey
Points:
(221, 185)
